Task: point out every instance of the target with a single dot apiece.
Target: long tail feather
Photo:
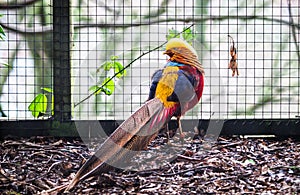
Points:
(132, 135)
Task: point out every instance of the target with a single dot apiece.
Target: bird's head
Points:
(180, 51)
(174, 45)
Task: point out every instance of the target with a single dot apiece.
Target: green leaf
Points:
(108, 88)
(38, 105)
(173, 34)
(95, 89)
(2, 34)
(188, 34)
(119, 68)
(7, 65)
(113, 58)
(47, 89)
(52, 105)
(107, 65)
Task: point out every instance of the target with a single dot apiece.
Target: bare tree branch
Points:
(293, 29)
(46, 29)
(108, 8)
(18, 5)
(162, 8)
(28, 30)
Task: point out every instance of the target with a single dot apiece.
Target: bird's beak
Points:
(169, 53)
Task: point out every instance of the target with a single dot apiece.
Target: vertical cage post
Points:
(62, 59)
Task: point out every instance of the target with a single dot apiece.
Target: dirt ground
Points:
(228, 166)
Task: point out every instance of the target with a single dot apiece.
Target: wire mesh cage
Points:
(25, 54)
(110, 35)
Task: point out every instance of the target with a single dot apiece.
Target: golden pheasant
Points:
(174, 90)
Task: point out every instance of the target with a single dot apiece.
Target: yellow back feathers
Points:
(177, 42)
(166, 85)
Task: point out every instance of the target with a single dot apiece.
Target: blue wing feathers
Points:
(155, 79)
(184, 87)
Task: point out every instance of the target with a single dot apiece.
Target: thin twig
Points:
(3, 173)
(53, 164)
(230, 145)
(54, 190)
(185, 171)
(188, 158)
(127, 66)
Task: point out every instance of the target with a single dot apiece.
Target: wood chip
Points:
(45, 165)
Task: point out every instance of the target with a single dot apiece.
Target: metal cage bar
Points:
(62, 59)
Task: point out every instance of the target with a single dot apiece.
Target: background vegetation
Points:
(265, 32)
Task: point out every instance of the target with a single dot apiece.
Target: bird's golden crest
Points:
(180, 43)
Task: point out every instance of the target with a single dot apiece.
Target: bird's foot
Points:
(181, 135)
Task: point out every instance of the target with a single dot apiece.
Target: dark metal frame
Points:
(275, 127)
(62, 60)
(62, 125)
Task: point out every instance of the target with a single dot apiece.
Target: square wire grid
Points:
(25, 56)
(266, 35)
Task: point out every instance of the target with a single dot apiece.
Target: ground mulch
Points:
(228, 166)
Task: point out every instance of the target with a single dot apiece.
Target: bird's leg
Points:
(168, 133)
(180, 128)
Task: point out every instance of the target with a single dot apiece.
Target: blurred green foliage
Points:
(187, 34)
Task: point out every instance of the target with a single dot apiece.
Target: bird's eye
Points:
(170, 53)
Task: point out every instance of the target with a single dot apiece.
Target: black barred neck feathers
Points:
(182, 52)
